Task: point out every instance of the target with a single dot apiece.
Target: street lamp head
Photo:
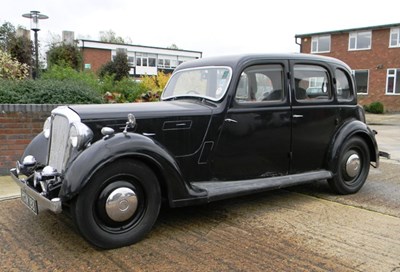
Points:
(35, 16)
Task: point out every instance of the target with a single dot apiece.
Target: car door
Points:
(255, 137)
(314, 114)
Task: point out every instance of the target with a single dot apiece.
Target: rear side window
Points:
(261, 83)
(312, 83)
(344, 88)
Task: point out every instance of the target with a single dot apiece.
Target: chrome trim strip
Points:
(54, 205)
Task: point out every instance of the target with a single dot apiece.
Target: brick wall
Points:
(377, 60)
(19, 124)
(96, 57)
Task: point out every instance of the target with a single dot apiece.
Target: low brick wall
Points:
(19, 124)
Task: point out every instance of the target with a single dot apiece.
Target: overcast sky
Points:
(215, 27)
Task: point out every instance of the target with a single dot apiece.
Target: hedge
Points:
(48, 91)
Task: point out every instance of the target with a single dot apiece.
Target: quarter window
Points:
(360, 40)
(393, 81)
(394, 37)
(344, 88)
(321, 44)
(311, 83)
(260, 83)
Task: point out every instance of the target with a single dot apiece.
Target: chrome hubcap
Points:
(121, 204)
(353, 165)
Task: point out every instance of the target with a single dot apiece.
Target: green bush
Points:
(48, 91)
(124, 90)
(60, 72)
(374, 107)
(118, 67)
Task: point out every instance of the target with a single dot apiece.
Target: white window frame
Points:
(394, 76)
(133, 62)
(394, 31)
(354, 74)
(315, 39)
(354, 35)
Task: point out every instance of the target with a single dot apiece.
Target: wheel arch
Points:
(351, 129)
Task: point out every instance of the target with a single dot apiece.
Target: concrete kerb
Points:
(9, 190)
(388, 119)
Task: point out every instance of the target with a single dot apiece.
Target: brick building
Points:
(372, 52)
(141, 59)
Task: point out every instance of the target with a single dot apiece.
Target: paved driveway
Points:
(302, 229)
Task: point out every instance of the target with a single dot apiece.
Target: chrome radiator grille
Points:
(58, 153)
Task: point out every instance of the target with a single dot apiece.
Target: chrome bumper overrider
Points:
(53, 205)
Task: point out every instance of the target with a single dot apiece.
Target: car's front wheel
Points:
(353, 167)
(119, 205)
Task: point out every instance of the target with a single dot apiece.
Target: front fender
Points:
(346, 131)
(38, 148)
(131, 145)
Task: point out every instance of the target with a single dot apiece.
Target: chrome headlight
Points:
(80, 135)
(47, 127)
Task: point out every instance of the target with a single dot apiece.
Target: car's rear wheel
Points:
(119, 205)
(352, 167)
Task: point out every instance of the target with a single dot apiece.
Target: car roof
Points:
(235, 60)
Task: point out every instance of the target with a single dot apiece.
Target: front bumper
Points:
(54, 205)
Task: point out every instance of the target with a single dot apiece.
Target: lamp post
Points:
(35, 16)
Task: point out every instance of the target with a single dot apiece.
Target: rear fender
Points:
(348, 130)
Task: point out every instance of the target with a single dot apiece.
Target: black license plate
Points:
(29, 201)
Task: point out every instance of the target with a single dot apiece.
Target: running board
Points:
(217, 190)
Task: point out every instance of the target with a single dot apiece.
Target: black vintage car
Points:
(225, 127)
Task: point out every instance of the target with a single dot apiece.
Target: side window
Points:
(344, 88)
(261, 83)
(311, 83)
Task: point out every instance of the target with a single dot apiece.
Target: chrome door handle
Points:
(230, 120)
(298, 116)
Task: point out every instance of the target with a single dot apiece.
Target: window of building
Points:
(152, 62)
(344, 89)
(394, 37)
(131, 61)
(393, 81)
(321, 44)
(174, 63)
(164, 63)
(360, 40)
(362, 79)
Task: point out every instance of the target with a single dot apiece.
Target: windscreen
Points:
(205, 82)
